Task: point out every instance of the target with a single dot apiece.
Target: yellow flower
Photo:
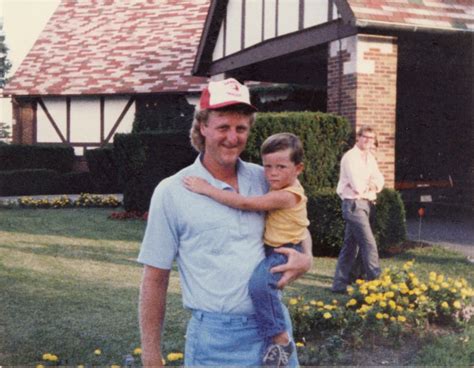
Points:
(392, 304)
(379, 316)
(401, 319)
(457, 304)
(444, 285)
(320, 304)
(383, 304)
(97, 352)
(137, 351)
(386, 316)
(369, 300)
(350, 290)
(313, 302)
(53, 358)
(393, 319)
(422, 298)
(440, 279)
(433, 276)
(46, 356)
(299, 344)
(80, 366)
(351, 302)
(293, 301)
(444, 305)
(359, 282)
(389, 294)
(40, 366)
(327, 315)
(114, 366)
(399, 308)
(434, 287)
(172, 357)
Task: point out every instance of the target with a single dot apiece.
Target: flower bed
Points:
(395, 305)
(84, 200)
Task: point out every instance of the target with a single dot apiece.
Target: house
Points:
(404, 66)
(97, 62)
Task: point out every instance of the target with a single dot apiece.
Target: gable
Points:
(114, 47)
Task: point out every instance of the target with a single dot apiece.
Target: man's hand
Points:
(196, 184)
(298, 264)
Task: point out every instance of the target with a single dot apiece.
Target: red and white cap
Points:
(224, 93)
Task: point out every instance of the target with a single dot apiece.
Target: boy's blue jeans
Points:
(265, 295)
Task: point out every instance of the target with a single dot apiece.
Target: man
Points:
(359, 182)
(216, 247)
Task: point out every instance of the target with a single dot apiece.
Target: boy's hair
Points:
(281, 142)
(366, 129)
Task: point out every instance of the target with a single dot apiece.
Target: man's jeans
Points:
(227, 340)
(358, 237)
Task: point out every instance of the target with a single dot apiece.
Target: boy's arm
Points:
(271, 201)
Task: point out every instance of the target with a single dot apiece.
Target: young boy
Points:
(285, 226)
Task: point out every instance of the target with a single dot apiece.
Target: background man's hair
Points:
(282, 141)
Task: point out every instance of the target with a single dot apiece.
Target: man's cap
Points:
(224, 93)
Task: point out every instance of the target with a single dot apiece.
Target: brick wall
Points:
(362, 86)
(24, 121)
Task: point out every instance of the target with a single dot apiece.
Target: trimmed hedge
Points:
(43, 181)
(103, 169)
(325, 138)
(144, 159)
(327, 224)
(37, 156)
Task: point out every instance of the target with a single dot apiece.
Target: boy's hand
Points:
(196, 184)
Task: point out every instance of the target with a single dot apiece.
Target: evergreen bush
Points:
(145, 159)
(103, 169)
(327, 224)
(57, 157)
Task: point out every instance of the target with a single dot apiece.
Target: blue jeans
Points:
(358, 237)
(223, 340)
(265, 295)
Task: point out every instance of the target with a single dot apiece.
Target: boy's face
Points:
(280, 171)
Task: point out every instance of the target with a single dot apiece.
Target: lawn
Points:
(69, 285)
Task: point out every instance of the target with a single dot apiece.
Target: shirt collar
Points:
(242, 173)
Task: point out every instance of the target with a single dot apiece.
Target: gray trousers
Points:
(359, 249)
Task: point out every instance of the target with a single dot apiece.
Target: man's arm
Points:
(152, 308)
(271, 201)
(298, 263)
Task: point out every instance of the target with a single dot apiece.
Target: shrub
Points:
(390, 226)
(103, 169)
(397, 302)
(29, 182)
(325, 138)
(145, 159)
(327, 224)
(37, 156)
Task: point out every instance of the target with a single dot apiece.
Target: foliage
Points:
(287, 97)
(145, 159)
(103, 169)
(84, 200)
(325, 138)
(399, 302)
(36, 156)
(43, 181)
(163, 113)
(5, 64)
(327, 224)
(4, 131)
(390, 225)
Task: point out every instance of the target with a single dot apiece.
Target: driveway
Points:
(454, 231)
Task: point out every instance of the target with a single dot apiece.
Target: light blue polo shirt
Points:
(216, 247)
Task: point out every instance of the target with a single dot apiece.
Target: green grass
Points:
(69, 285)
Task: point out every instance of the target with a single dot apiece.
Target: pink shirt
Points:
(356, 174)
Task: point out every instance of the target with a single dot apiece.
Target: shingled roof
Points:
(114, 47)
(455, 15)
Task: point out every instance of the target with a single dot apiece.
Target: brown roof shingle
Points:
(430, 14)
(114, 47)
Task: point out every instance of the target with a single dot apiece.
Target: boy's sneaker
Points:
(278, 355)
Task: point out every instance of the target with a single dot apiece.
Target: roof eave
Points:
(362, 24)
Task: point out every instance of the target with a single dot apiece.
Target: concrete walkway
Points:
(454, 231)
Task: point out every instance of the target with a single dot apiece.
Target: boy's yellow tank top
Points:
(287, 225)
